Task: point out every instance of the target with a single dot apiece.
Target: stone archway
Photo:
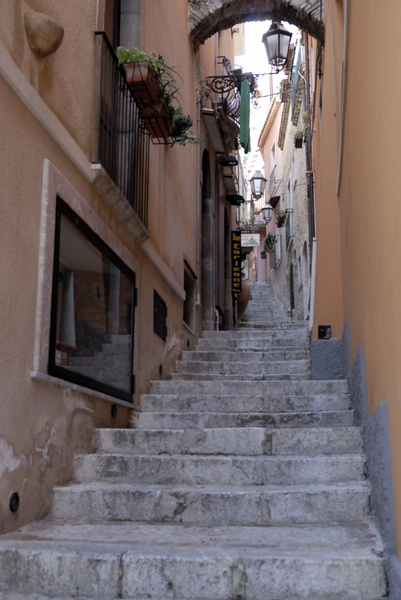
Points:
(209, 17)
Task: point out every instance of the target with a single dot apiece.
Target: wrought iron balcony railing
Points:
(227, 87)
(123, 145)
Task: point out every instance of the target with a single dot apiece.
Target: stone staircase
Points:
(241, 479)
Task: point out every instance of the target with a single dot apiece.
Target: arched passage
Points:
(207, 18)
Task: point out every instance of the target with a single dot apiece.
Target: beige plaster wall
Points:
(358, 236)
(328, 300)
(41, 426)
(370, 211)
(65, 80)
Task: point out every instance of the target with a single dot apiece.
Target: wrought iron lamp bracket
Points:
(224, 84)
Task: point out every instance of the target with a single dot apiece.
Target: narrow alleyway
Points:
(240, 479)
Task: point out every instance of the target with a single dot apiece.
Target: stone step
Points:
(251, 344)
(242, 356)
(250, 441)
(253, 323)
(243, 403)
(213, 504)
(136, 561)
(188, 420)
(196, 367)
(238, 388)
(221, 377)
(218, 470)
(275, 333)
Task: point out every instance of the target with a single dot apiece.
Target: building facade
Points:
(115, 237)
(142, 265)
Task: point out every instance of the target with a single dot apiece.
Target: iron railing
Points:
(227, 87)
(123, 145)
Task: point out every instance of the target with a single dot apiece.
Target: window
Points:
(159, 316)
(190, 296)
(277, 254)
(93, 298)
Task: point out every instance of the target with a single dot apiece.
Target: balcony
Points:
(121, 158)
(221, 104)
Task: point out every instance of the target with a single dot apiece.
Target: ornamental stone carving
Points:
(44, 34)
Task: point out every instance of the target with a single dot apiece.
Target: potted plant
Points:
(153, 85)
(269, 242)
(148, 77)
(157, 118)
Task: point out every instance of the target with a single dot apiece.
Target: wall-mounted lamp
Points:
(258, 184)
(277, 43)
(267, 212)
(235, 199)
(227, 161)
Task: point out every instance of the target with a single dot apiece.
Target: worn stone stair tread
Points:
(213, 505)
(218, 489)
(129, 560)
(240, 356)
(221, 470)
(266, 420)
(245, 403)
(358, 538)
(29, 596)
(290, 388)
(221, 377)
(225, 441)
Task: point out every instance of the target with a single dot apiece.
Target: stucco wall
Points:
(47, 124)
(41, 426)
(328, 294)
(360, 224)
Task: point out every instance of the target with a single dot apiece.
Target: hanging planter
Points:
(153, 85)
(142, 82)
(157, 119)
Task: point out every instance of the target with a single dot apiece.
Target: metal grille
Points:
(123, 145)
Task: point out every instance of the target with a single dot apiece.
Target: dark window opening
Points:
(159, 316)
(190, 296)
(92, 320)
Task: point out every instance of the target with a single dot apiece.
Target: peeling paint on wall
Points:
(8, 459)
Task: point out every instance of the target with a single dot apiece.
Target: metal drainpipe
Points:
(343, 94)
(311, 190)
(198, 185)
(309, 164)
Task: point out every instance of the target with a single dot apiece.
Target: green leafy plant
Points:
(269, 242)
(181, 127)
(166, 77)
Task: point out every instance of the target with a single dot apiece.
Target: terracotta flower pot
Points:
(157, 119)
(142, 82)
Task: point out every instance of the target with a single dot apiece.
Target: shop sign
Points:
(236, 261)
(250, 240)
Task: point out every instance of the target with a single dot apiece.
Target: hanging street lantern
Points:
(267, 212)
(277, 43)
(258, 184)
